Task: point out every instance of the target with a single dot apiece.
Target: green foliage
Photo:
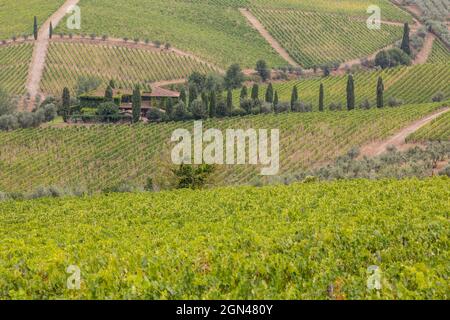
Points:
(86, 84)
(406, 46)
(380, 93)
(263, 70)
(350, 93)
(234, 77)
(167, 244)
(193, 177)
(108, 112)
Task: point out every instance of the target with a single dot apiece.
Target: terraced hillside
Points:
(439, 53)
(14, 64)
(105, 156)
(317, 38)
(401, 83)
(232, 243)
(16, 17)
(437, 130)
(66, 62)
(217, 34)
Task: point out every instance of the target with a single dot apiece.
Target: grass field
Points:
(16, 17)
(317, 38)
(282, 242)
(438, 130)
(400, 82)
(440, 53)
(14, 64)
(105, 156)
(217, 34)
(347, 7)
(66, 62)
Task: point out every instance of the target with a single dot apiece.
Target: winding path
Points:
(398, 140)
(40, 49)
(266, 35)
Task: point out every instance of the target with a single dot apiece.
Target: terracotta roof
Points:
(156, 92)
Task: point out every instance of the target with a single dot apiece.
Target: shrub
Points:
(156, 115)
(438, 97)
(365, 104)
(108, 112)
(335, 106)
(199, 109)
(394, 102)
(282, 107)
(238, 112)
(8, 122)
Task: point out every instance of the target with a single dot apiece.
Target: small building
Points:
(123, 98)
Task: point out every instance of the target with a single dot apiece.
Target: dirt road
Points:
(398, 140)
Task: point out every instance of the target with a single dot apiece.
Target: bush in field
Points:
(392, 58)
(108, 112)
(438, 97)
(156, 115)
(7, 104)
(395, 102)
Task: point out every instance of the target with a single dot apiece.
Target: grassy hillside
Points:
(438, 130)
(217, 34)
(105, 156)
(66, 62)
(16, 17)
(317, 38)
(14, 64)
(283, 242)
(401, 82)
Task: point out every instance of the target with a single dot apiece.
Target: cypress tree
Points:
(66, 104)
(244, 92)
(192, 95)
(255, 92)
(212, 104)
(380, 93)
(169, 106)
(229, 102)
(112, 84)
(350, 93)
(183, 95)
(269, 93)
(294, 96)
(275, 99)
(109, 94)
(405, 41)
(50, 30)
(136, 103)
(35, 28)
(321, 98)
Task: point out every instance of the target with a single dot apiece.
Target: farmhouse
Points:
(123, 98)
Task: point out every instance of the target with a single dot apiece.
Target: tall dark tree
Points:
(50, 30)
(35, 28)
(294, 96)
(65, 104)
(229, 102)
(244, 92)
(109, 94)
(234, 77)
(213, 104)
(269, 93)
(275, 99)
(406, 47)
(136, 103)
(183, 95)
(255, 92)
(169, 106)
(192, 95)
(263, 70)
(380, 93)
(321, 98)
(112, 84)
(350, 93)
